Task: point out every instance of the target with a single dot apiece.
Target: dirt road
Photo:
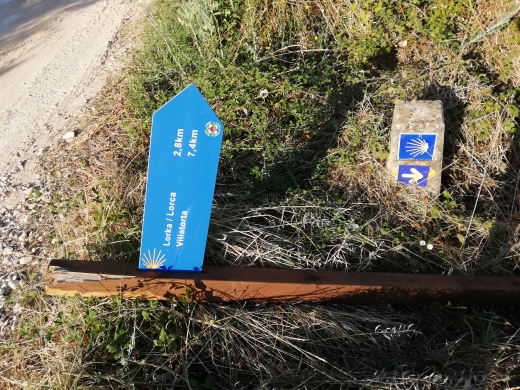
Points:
(53, 59)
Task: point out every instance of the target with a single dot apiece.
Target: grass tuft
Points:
(306, 91)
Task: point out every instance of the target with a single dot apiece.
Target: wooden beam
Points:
(221, 284)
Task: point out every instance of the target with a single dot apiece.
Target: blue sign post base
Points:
(182, 169)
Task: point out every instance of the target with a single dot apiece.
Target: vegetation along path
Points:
(306, 90)
(54, 57)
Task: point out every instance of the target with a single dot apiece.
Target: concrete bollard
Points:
(416, 144)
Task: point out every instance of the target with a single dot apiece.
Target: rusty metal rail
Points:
(221, 284)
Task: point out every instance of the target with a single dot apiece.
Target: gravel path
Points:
(54, 57)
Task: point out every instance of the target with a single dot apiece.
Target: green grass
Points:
(306, 92)
(306, 97)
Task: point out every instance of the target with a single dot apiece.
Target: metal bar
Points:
(235, 284)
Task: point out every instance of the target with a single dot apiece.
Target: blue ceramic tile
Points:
(413, 174)
(416, 146)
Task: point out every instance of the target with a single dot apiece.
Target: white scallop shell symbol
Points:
(417, 147)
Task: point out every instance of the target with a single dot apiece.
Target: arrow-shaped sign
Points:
(414, 176)
(182, 170)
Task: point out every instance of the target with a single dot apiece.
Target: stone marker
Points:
(416, 144)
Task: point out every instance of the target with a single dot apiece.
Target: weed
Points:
(306, 91)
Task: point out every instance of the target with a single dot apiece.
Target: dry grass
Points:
(101, 156)
(344, 214)
(37, 356)
(499, 51)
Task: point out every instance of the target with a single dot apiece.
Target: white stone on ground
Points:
(69, 135)
(13, 283)
(26, 260)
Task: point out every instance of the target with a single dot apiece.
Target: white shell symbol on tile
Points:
(417, 147)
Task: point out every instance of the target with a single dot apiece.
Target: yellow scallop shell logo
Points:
(153, 260)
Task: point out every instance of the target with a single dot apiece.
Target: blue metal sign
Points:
(182, 170)
(413, 174)
(416, 146)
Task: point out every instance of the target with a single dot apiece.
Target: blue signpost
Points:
(182, 170)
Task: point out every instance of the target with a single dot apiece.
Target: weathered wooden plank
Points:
(221, 284)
